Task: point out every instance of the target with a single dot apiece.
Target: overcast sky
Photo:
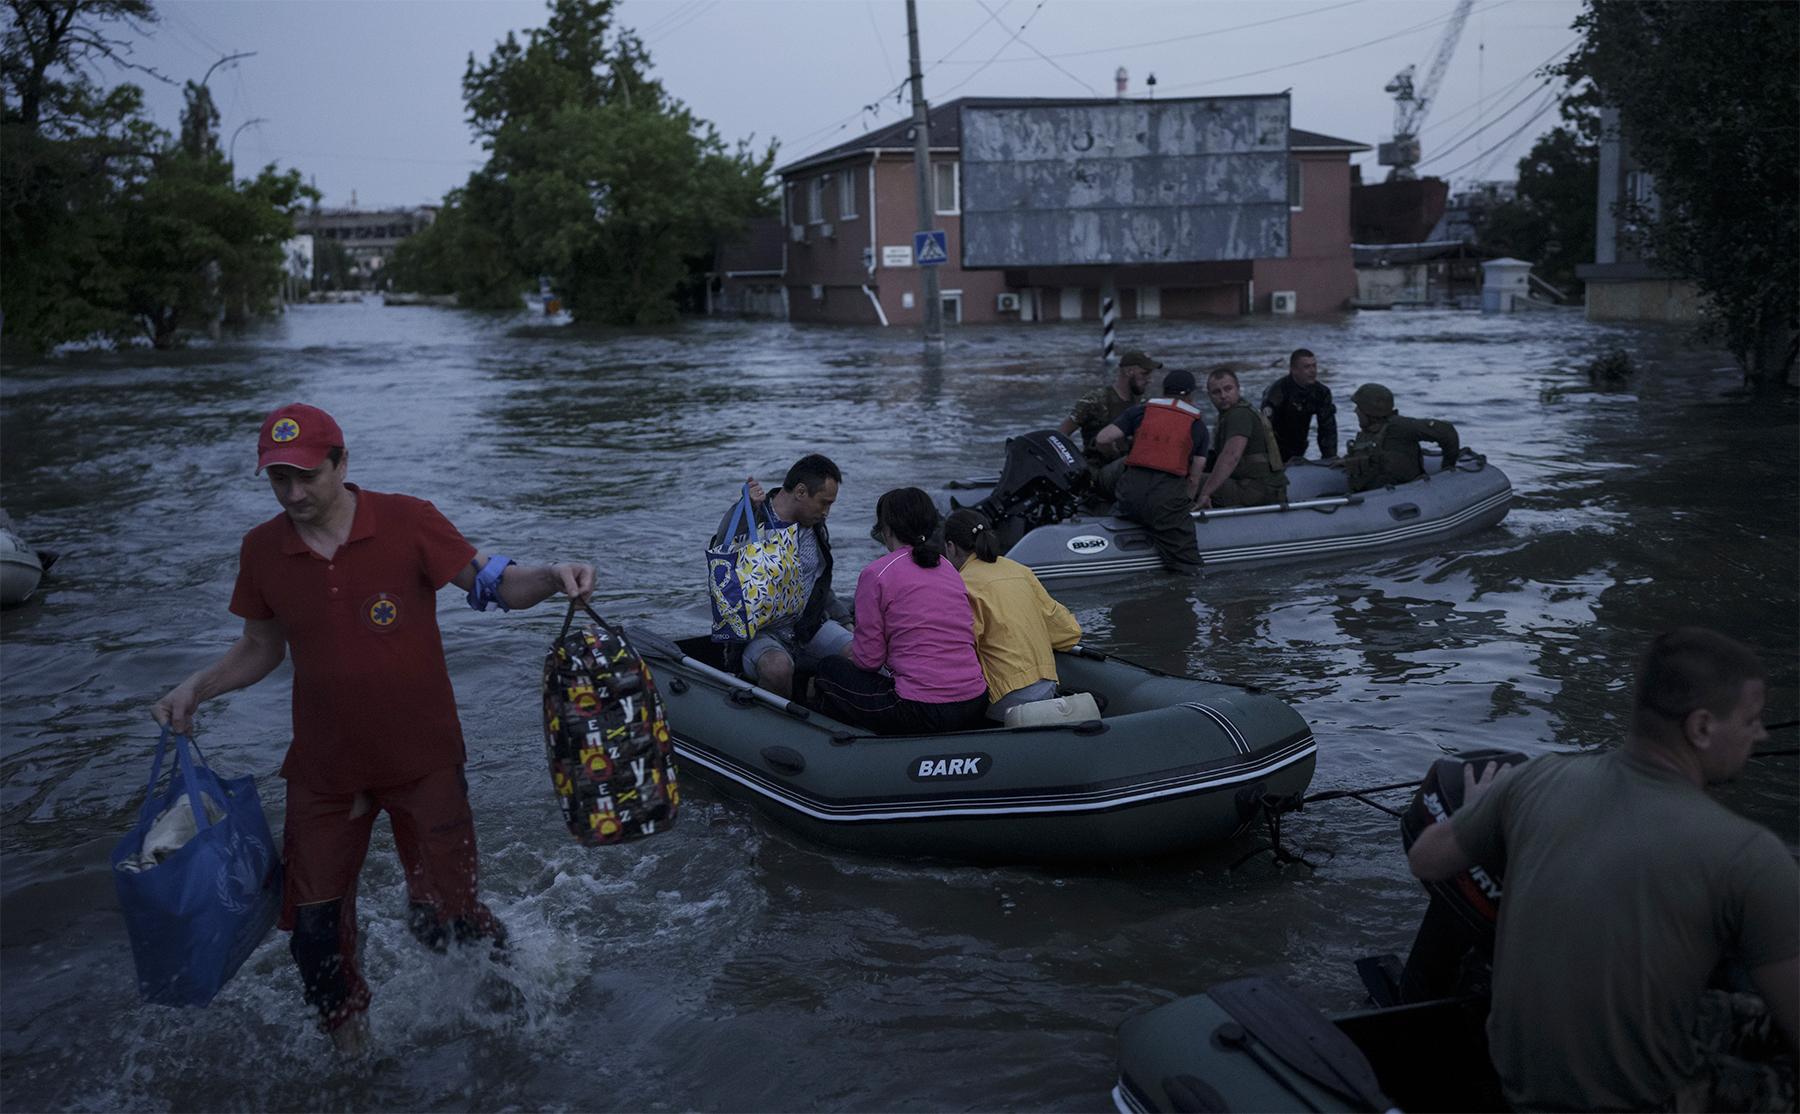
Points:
(365, 95)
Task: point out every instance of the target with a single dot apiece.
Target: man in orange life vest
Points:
(1163, 470)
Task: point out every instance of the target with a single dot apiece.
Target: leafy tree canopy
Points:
(1708, 97)
(596, 177)
(108, 224)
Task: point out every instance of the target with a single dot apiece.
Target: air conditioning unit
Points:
(797, 233)
(1284, 301)
(829, 231)
(1006, 303)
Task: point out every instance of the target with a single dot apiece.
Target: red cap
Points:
(297, 435)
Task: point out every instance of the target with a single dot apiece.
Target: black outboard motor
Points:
(1459, 922)
(1040, 484)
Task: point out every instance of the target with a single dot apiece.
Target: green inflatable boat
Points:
(1173, 764)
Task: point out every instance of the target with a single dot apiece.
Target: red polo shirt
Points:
(373, 706)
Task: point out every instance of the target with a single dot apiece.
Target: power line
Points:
(679, 11)
(1549, 103)
(684, 24)
(1515, 106)
(1328, 54)
(880, 43)
(1439, 121)
(1177, 38)
(1016, 38)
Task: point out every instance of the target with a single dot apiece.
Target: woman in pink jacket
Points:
(912, 668)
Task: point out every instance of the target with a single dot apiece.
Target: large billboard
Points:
(1180, 181)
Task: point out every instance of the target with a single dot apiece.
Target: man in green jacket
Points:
(1386, 451)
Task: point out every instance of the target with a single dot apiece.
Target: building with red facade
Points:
(851, 211)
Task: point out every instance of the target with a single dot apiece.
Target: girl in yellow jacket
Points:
(1017, 624)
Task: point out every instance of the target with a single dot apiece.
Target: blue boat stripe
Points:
(1017, 804)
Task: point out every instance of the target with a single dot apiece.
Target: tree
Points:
(1550, 220)
(106, 222)
(70, 149)
(1708, 98)
(595, 176)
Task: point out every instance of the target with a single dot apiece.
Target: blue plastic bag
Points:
(198, 913)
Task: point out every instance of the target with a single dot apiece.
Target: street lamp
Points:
(231, 149)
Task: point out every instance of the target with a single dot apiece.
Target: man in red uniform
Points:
(348, 579)
(1163, 469)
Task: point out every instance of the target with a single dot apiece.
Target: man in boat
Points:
(1293, 401)
(1163, 468)
(1249, 470)
(1626, 884)
(348, 580)
(818, 632)
(1386, 450)
(1100, 408)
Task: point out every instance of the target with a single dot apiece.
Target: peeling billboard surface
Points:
(1182, 181)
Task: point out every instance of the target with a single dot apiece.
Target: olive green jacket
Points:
(1388, 452)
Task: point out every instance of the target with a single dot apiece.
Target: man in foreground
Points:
(803, 499)
(1163, 468)
(1293, 401)
(1100, 408)
(348, 580)
(1625, 886)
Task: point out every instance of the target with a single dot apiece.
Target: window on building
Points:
(1295, 197)
(846, 194)
(815, 200)
(945, 187)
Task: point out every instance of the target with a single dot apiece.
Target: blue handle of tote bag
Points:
(184, 768)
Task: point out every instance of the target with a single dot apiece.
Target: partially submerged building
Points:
(849, 214)
(1623, 283)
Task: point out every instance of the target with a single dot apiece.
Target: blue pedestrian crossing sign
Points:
(930, 249)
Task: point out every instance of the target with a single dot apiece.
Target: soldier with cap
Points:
(1386, 451)
(347, 579)
(1162, 471)
(1291, 403)
(1100, 408)
(1249, 470)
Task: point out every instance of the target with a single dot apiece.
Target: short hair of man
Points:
(813, 470)
(1690, 668)
(1297, 355)
(1221, 372)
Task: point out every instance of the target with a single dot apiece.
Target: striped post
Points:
(1109, 317)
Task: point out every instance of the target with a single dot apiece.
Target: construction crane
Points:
(1412, 103)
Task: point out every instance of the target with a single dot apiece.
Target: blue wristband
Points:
(487, 583)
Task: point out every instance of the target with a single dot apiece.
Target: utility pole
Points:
(928, 279)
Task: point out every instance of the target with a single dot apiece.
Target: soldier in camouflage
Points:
(1386, 452)
(1100, 408)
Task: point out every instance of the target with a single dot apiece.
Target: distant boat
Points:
(21, 567)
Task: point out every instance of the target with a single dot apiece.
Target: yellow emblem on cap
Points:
(285, 430)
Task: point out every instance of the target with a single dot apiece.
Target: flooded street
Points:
(726, 965)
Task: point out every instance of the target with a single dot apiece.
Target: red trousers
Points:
(324, 847)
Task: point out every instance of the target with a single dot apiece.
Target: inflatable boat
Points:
(1172, 764)
(21, 567)
(1252, 1044)
(1037, 505)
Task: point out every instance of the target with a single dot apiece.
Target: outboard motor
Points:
(1459, 922)
(1041, 484)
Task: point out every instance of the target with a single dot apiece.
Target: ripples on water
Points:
(725, 965)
